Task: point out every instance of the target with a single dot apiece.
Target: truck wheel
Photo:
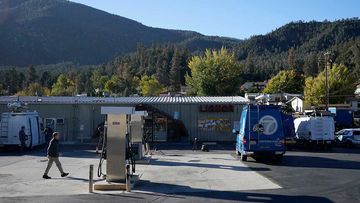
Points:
(257, 158)
(278, 158)
(289, 147)
(329, 147)
(243, 157)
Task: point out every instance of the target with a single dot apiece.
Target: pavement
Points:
(178, 171)
(331, 176)
(21, 175)
(181, 175)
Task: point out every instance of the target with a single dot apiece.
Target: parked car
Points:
(348, 137)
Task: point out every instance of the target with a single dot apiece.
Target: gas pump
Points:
(137, 134)
(117, 148)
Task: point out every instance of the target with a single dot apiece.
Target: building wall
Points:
(81, 120)
(190, 115)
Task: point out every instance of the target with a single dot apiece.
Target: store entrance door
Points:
(160, 124)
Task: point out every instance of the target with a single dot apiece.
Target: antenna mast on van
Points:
(17, 106)
(262, 99)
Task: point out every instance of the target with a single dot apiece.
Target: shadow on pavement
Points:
(311, 162)
(188, 146)
(76, 178)
(193, 163)
(169, 189)
(319, 149)
(318, 162)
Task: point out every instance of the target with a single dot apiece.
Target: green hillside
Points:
(53, 31)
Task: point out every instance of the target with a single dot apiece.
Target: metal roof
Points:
(123, 100)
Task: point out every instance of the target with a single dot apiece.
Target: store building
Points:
(170, 119)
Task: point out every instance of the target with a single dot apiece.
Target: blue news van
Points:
(261, 132)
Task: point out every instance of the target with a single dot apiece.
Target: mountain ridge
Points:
(39, 30)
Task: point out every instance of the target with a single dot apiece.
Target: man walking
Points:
(53, 156)
(22, 138)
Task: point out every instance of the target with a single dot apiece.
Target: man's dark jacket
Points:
(22, 136)
(53, 149)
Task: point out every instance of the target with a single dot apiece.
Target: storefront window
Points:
(160, 124)
(160, 128)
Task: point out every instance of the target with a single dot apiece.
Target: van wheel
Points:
(329, 147)
(348, 144)
(243, 157)
(278, 158)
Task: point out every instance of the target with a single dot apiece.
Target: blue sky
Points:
(232, 18)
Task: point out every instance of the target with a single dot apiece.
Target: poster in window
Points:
(215, 124)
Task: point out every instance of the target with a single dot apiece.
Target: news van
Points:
(261, 132)
(315, 130)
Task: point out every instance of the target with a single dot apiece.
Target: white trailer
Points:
(320, 130)
(11, 123)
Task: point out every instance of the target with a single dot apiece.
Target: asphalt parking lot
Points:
(177, 174)
(329, 176)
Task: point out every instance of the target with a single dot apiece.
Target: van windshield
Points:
(343, 132)
(242, 123)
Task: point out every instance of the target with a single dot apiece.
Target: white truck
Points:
(11, 123)
(318, 130)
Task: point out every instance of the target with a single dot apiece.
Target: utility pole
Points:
(327, 56)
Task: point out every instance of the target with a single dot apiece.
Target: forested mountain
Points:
(52, 31)
(36, 32)
(298, 45)
(295, 46)
(122, 55)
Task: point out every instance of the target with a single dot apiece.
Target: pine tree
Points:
(249, 68)
(291, 59)
(175, 72)
(311, 66)
(46, 79)
(32, 75)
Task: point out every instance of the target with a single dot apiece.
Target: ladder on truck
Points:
(4, 127)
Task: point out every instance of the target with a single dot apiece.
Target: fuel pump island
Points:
(122, 135)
